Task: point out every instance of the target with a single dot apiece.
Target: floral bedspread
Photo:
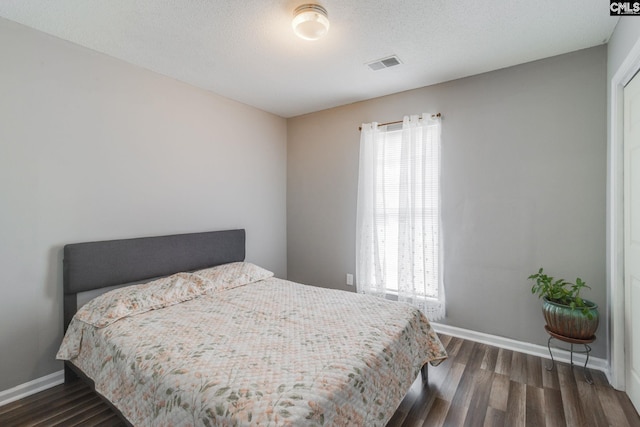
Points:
(265, 353)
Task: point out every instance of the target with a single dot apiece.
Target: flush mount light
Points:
(310, 21)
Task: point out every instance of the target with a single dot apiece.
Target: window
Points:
(398, 220)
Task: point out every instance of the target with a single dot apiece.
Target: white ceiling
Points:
(246, 50)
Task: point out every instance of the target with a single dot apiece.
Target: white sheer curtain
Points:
(398, 248)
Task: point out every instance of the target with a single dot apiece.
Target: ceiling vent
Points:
(388, 62)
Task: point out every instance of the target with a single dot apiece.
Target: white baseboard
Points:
(534, 349)
(32, 387)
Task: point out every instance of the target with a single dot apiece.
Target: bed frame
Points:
(96, 265)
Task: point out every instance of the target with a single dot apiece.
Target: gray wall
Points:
(524, 173)
(624, 37)
(93, 148)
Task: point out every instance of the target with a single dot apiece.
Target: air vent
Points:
(380, 64)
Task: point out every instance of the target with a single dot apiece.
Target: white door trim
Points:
(615, 218)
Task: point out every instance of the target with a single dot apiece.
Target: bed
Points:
(198, 336)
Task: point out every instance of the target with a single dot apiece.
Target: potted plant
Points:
(565, 311)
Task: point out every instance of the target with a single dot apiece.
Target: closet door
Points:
(632, 238)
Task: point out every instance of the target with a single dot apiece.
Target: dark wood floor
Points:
(478, 385)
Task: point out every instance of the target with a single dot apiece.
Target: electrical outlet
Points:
(349, 279)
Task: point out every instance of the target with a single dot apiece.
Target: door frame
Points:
(615, 219)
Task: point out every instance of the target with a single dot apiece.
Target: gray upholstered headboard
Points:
(95, 265)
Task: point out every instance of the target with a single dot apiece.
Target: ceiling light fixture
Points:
(310, 21)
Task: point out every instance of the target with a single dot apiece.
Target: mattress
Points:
(234, 346)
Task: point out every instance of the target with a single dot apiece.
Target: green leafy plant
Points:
(560, 291)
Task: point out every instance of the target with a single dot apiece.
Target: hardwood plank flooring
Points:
(478, 385)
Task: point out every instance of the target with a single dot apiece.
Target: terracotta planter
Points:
(571, 323)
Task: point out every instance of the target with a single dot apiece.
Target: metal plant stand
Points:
(571, 341)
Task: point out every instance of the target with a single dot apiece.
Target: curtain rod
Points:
(433, 116)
